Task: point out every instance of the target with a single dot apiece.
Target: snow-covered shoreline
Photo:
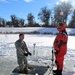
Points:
(34, 30)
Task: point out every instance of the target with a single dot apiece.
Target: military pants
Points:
(22, 62)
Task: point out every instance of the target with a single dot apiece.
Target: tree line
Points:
(48, 18)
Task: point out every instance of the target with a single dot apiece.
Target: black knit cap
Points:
(21, 34)
(60, 24)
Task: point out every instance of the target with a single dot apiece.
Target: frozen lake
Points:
(43, 47)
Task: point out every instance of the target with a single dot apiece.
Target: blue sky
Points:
(21, 8)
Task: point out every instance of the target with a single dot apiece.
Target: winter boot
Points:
(59, 72)
(54, 72)
(25, 70)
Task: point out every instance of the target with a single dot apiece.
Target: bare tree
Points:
(2, 22)
(21, 22)
(44, 15)
(15, 20)
(9, 23)
(30, 19)
(72, 22)
(65, 7)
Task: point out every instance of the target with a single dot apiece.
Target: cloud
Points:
(71, 1)
(6, 1)
(57, 3)
(2, 0)
(27, 0)
(64, 0)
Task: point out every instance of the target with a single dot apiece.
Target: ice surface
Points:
(42, 55)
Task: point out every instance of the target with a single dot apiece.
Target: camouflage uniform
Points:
(21, 58)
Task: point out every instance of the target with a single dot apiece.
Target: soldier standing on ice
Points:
(60, 47)
(22, 53)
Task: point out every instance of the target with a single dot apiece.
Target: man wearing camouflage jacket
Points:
(22, 53)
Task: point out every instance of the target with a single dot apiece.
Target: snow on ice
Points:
(43, 47)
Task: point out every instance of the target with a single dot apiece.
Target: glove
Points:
(26, 54)
(56, 62)
(55, 51)
(29, 53)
